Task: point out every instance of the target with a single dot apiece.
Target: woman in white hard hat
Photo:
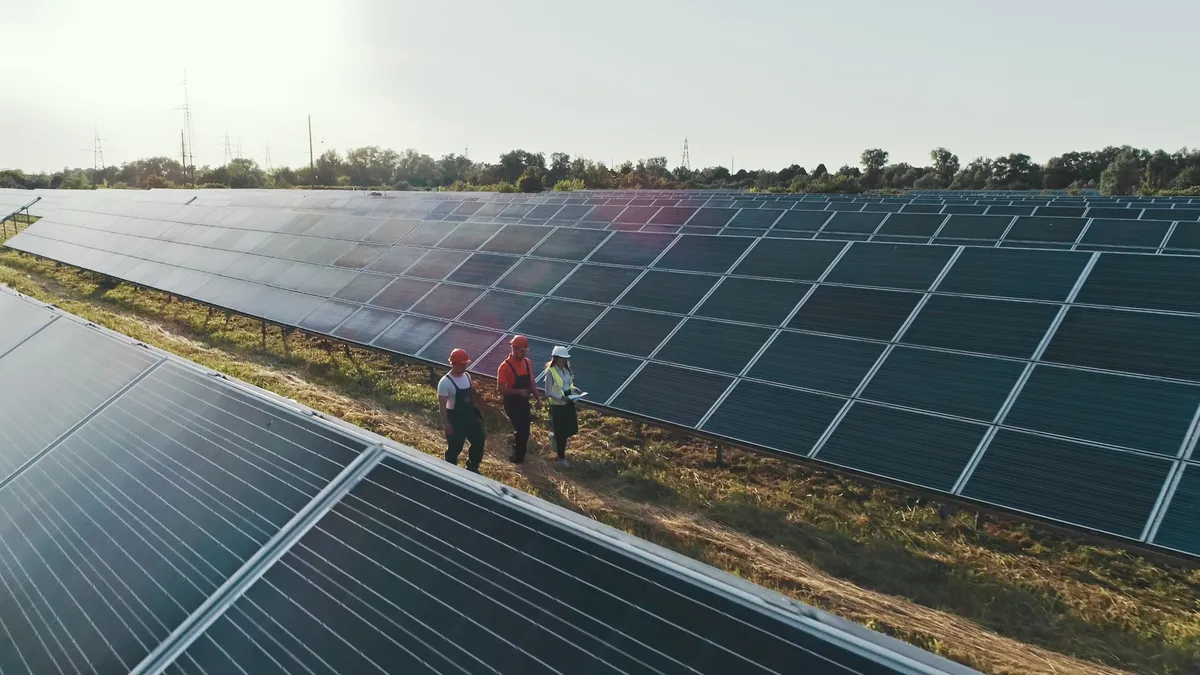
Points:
(559, 386)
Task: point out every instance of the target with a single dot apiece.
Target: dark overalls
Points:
(467, 424)
(517, 409)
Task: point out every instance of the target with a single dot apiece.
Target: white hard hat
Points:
(561, 351)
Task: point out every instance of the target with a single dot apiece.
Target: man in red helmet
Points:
(515, 378)
(461, 418)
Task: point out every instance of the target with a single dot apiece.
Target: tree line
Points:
(1113, 170)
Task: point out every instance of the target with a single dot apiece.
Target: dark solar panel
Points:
(890, 266)
(597, 283)
(1144, 282)
(427, 568)
(955, 384)
(1178, 529)
(902, 445)
(1131, 412)
(819, 362)
(704, 254)
(1109, 490)
(693, 393)
(999, 327)
(855, 312)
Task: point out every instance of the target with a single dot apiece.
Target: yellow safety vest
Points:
(558, 386)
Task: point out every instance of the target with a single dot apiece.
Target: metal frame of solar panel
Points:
(967, 344)
(161, 517)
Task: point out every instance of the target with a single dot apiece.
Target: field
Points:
(997, 594)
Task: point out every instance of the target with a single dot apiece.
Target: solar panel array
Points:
(160, 518)
(1062, 384)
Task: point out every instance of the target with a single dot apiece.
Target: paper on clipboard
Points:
(576, 397)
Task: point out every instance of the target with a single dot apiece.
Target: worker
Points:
(560, 385)
(515, 380)
(461, 418)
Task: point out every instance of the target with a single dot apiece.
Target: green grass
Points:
(998, 594)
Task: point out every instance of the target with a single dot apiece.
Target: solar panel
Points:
(875, 321)
(186, 523)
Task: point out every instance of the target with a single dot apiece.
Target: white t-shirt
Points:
(446, 387)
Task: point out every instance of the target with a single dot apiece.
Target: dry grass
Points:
(997, 594)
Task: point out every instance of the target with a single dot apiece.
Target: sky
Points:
(755, 83)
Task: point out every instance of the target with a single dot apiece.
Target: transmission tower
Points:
(97, 156)
(687, 159)
(268, 162)
(187, 139)
(228, 149)
(239, 147)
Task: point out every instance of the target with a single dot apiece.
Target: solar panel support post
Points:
(208, 317)
(264, 334)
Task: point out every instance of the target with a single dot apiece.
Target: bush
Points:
(402, 186)
(159, 182)
(506, 187)
(530, 181)
(569, 185)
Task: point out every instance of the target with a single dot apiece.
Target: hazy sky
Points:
(766, 82)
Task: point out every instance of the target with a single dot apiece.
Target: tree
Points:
(514, 162)
(530, 181)
(370, 166)
(945, 166)
(453, 168)
(417, 168)
(244, 173)
(1016, 172)
(820, 172)
(873, 160)
(1189, 177)
(973, 176)
(1122, 174)
(560, 168)
(329, 167)
(786, 175)
(76, 180)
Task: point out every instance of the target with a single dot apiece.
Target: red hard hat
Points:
(520, 342)
(459, 356)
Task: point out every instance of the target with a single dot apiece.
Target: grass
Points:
(1000, 595)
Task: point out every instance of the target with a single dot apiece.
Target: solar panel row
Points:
(349, 200)
(932, 365)
(158, 517)
(420, 228)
